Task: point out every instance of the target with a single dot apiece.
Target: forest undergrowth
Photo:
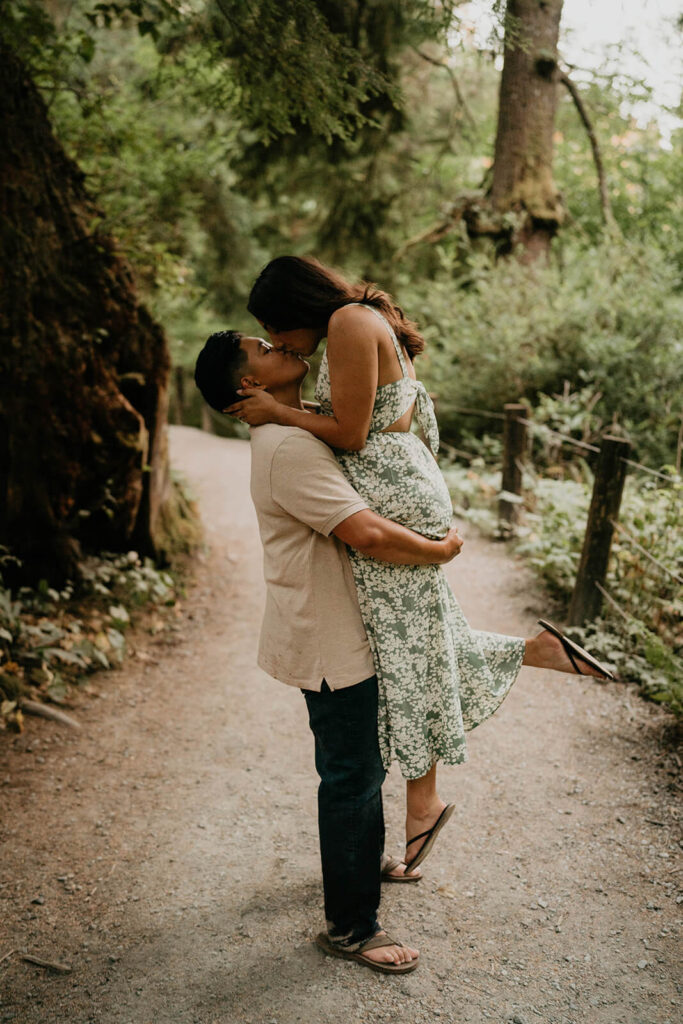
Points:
(53, 640)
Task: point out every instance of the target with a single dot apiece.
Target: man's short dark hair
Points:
(218, 369)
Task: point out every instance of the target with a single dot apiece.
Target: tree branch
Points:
(432, 234)
(454, 81)
(605, 204)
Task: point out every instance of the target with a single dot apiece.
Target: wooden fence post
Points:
(178, 393)
(514, 450)
(608, 486)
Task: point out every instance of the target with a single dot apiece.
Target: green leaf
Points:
(57, 690)
(119, 614)
(86, 48)
(148, 28)
(72, 657)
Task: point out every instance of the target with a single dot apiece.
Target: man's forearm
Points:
(325, 428)
(389, 542)
(401, 546)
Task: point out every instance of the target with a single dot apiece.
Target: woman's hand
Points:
(451, 544)
(257, 408)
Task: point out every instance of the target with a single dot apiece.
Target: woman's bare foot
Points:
(546, 651)
(391, 954)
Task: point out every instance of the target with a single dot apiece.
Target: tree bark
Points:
(83, 367)
(522, 208)
(522, 181)
(178, 404)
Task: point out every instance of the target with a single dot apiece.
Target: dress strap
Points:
(424, 407)
(397, 345)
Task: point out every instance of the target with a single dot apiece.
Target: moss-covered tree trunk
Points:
(521, 208)
(83, 367)
(522, 171)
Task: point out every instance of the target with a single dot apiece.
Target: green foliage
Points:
(641, 635)
(608, 319)
(638, 655)
(170, 126)
(555, 530)
(322, 66)
(292, 68)
(51, 641)
(644, 174)
(216, 136)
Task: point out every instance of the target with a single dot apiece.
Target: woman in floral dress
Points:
(437, 678)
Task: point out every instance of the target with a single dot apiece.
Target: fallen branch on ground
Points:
(33, 707)
(51, 964)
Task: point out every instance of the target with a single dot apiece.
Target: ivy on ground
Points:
(51, 641)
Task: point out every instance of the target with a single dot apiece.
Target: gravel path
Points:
(168, 852)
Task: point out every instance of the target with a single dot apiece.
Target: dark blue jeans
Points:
(350, 815)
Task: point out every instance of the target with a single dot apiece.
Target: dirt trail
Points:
(172, 845)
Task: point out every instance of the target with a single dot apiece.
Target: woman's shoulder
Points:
(354, 317)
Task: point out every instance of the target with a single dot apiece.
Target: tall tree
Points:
(83, 367)
(341, 63)
(519, 205)
(522, 180)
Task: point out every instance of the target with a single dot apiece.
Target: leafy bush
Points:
(641, 633)
(607, 319)
(51, 641)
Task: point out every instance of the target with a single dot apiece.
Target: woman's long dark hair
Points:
(295, 291)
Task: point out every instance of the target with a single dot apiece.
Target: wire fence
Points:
(670, 477)
(556, 433)
(611, 469)
(551, 432)
(660, 565)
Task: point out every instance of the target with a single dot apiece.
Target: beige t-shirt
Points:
(312, 628)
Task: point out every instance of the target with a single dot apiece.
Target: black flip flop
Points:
(574, 652)
(431, 835)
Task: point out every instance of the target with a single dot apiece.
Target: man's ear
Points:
(252, 382)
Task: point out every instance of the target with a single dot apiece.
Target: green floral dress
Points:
(437, 677)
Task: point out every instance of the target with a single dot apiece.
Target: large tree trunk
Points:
(522, 169)
(522, 209)
(83, 367)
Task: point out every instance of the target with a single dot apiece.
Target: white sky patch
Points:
(637, 38)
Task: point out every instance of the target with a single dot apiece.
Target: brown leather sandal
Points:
(390, 864)
(376, 942)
